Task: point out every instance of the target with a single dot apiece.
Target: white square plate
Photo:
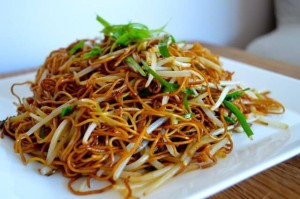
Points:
(269, 147)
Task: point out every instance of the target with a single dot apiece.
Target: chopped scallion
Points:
(241, 118)
(135, 66)
(163, 46)
(168, 87)
(187, 92)
(103, 21)
(76, 47)
(96, 50)
(236, 94)
(229, 119)
(126, 34)
(66, 111)
(43, 132)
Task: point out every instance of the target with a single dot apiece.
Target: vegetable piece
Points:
(96, 50)
(172, 39)
(187, 92)
(66, 111)
(236, 94)
(103, 22)
(43, 132)
(126, 34)
(229, 119)
(76, 47)
(163, 45)
(168, 87)
(242, 120)
(135, 66)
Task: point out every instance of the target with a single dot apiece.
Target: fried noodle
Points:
(122, 127)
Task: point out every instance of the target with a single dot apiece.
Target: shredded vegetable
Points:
(135, 66)
(96, 50)
(168, 87)
(241, 118)
(76, 47)
(66, 111)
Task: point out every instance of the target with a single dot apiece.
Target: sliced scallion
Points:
(76, 47)
(229, 119)
(43, 132)
(168, 87)
(163, 46)
(66, 111)
(96, 50)
(236, 94)
(240, 117)
(135, 66)
(103, 21)
(126, 34)
(187, 92)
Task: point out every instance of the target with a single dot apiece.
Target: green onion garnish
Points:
(229, 119)
(43, 132)
(163, 47)
(187, 92)
(135, 66)
(76, 47)
(127, 34)
(66, 111)
(103, 22)
(168, 87)
(236, 94)
(96, 50)
(241, 118)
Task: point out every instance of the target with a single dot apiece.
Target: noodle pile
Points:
(134, 114)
